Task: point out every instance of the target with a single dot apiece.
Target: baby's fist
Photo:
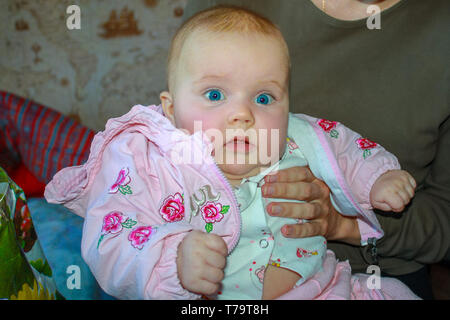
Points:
(392, 191)
(201, 259)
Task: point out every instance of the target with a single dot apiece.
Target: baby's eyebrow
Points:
(210, 77)
(276, 83)
(220, 77)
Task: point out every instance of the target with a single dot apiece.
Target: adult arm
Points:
(427, 217)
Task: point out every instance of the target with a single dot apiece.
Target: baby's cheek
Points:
(196, 121)
(187, 121)
(277, 141)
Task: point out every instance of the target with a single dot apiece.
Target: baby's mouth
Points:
(239, 144)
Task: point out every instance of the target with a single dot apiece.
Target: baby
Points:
(228, 70)
(232, 78)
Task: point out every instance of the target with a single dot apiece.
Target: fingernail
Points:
(287, 230)
(268, 191)
(275, 209)
(271, 178)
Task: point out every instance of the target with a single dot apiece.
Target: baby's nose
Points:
(241, 114)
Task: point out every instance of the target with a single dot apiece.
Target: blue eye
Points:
(214, 95)
(264, 99)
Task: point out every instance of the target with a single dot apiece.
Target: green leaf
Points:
(125, 190)
(334, 134)
(225, 209)
(129, 223)
(208, 227)
(14, 267)
(42, 267)
(100, 240)
(366, 153)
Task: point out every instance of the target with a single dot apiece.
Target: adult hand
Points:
(298, 183)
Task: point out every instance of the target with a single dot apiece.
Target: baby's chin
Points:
(234, 172)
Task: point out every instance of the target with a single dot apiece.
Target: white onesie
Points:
(261, 241)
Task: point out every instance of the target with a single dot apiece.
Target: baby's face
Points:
(237, 87)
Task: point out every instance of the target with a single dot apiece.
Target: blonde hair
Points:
(222, 19)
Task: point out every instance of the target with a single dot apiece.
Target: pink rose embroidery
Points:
(173, 208)
(121, 183)
(213, 212)
(114, 222)
(140, 235)
(365, 145)
(329, 127)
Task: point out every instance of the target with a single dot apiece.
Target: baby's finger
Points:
(213, 275)
(403, 194)
(206, 287)
(382, 206)
(412, 181)
(216, 260)
(216, 243)
(410, 191)
(397, 203)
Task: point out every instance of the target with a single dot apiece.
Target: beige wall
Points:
(91, 73)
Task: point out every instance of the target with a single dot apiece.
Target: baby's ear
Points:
(167, 105)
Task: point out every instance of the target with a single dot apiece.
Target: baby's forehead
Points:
(198, 50)
(199, 42)
(196, 37)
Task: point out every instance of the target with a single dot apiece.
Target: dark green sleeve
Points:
(419, 235)
(423, 231)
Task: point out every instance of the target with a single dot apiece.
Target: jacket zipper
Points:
(229, 188)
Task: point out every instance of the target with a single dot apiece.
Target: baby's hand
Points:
(392, 191)
(201, 259)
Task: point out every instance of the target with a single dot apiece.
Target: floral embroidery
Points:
(365, 145)
(329, 127)
(196, 202)
(260, 273)
(121, 183)
(172, 209)
(114, 222)
(140, 235)
(302, 253)
(206, 204)
(212, 212)
(291, 145)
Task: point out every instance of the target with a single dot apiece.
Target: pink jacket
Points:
(147, 184)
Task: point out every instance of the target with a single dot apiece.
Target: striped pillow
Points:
(45, 140)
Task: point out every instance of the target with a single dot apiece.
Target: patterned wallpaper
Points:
(116, 60)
